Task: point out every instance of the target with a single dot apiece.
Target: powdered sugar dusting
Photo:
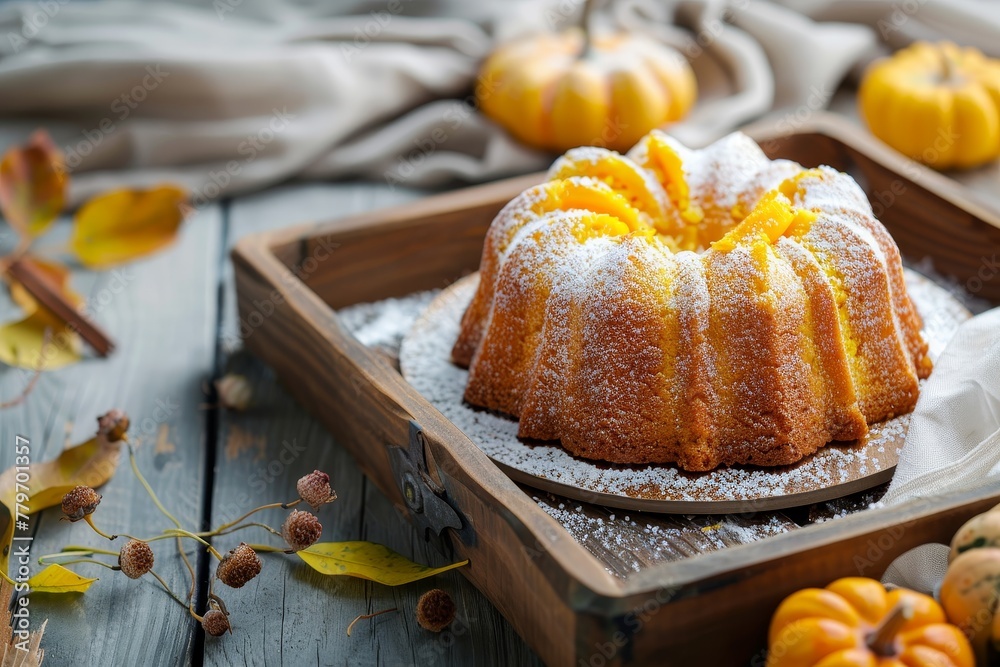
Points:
(629, 542)
(426, 364)
(381, 325)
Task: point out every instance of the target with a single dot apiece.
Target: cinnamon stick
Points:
(40, 286)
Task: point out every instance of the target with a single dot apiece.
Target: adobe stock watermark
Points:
(163, 410)
(261, 309)
(456, 116)
(794, 119)
(784, 641)
(558, 17)
(121, 108)
(21, 547)
(712, 30)
(882, 200)
(261, 478)
(989, 269)
(33, 21)
(630, 625)
(65, 336)
(429, 653)
(378, 21)
(901, 13)
(249, 148)
(424, 147)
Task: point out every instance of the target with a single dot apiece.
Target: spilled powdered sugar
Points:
(629, 542)
(425, 359)
(381, 325)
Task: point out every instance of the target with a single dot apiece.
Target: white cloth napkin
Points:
(224, 96)
(954, 437)
(920, 569)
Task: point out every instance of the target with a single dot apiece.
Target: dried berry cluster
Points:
(236, 568)
(241, 564)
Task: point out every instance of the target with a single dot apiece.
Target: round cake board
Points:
(837, 470)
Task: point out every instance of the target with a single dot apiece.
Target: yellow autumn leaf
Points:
(91, 463)
(57, 579)
(21, 341)
(33, 184)
(122, 225)
(367, 560)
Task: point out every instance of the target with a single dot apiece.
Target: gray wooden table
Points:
(174, 319)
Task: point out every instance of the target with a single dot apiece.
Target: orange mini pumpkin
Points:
(560, 91)
(936, 103)
(856, 622)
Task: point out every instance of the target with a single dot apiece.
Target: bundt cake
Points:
(697, 307)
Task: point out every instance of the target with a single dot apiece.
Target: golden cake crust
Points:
(702, 308)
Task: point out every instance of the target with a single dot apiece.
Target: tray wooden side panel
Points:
(367, 406)
(400, 258)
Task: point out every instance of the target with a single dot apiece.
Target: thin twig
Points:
(267, 548)
(90, 561)
(149, 489)
(94, 550)
(190, 568)
(90, 522)
(366, 616)
(246, 525)
(166, 513)
(227, 526)
(180, 532)
(167, 589)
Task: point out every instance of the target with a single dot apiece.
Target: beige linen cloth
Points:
(227, 96)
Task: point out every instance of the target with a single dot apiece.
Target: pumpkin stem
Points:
(882, 640)
(948, 74)
(588, 9)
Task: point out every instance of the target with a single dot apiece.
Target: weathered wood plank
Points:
(162, 312)
(289, 614)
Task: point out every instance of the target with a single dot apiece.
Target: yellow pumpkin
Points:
(856, 622)
(982, 530)
(559, 91)
(969, 594)
(936, 103)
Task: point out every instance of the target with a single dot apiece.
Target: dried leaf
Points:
(125, 224)
(22, 344)
(92, 463)
(22, 341)
(57, 579)
(16, 650)
(33, 184)
(367, 560)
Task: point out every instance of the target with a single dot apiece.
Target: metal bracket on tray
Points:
(425, 498)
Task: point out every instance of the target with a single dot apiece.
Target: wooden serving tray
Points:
(568, 603)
